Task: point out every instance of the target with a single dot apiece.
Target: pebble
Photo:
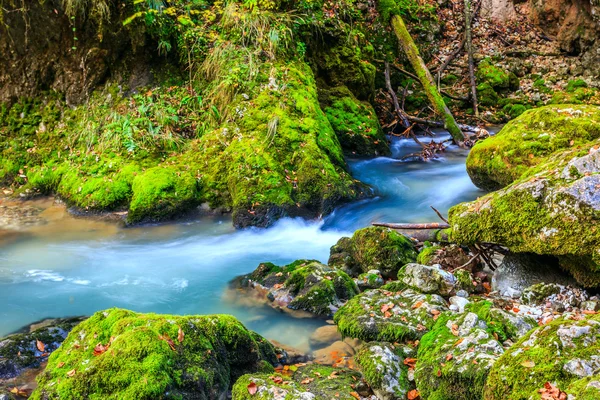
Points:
(453, 307)
(462, 293)
(459, 302)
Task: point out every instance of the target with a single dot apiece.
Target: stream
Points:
(74, 266)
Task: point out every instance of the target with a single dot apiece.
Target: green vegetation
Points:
(119, 354)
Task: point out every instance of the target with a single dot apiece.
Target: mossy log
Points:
(412, 52)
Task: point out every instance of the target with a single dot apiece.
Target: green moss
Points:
(160, 193)
(486, 95)
(575, 84)
(140, 362)
(528, 140)
(496, 77)
(585, 389)
(540, 357)
(537, 293)
(464, 281)
(426, 254)
(356, 125)
(383, 368)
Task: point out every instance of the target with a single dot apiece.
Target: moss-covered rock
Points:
(495, 76)
(585, 389)
(373, 248)
(305, 383)
(302, 285)
(383, 315)
(528, 140)
(562, 352)
(369, 280)
(384, 371)
(454, 358)
(161, 193)
(552, 210)
(119, 354)
(355, 124)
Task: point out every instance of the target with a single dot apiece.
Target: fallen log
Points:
(412, 53)
(428, 225)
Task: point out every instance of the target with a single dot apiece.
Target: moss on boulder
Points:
(383, 368)
(427, 279)
(383, 315)
(377, 248)
(553, 209)
(119, 354)
(561, 352)
(528, 140)
(302, 285)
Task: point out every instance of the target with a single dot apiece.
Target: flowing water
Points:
(73, 266)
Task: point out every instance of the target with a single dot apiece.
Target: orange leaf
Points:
(435, 312)
(387, 314)
(385, 307)
(449, 357)
(60, 365)
(180, 335)
(528, 364)
(417, 304)
(252, 388)
(355, 395)
(71, 373)
(413, 394)
(40, 346)
(454, 329)
(277, 379)
(100, 348)
(589, 312)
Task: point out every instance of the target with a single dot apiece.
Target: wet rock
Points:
(383, 368)
(303, 285)
(183, 356)
(288, 354)
(560, 352)
(306, 383)
(426, 279)
(391, 316)
(519, 271)
(454, 358)
(324, 336)
(590, 305)
(339, 354)
(20, 351)
(373, 248)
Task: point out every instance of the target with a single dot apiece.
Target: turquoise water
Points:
(77, 266)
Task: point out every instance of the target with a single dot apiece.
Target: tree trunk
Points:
(426, 79)
(469, 44)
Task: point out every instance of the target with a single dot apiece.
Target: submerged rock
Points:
(22, 351)
(383, 315)
(302, 285)
(426, 279)
(561, 352)
(519, 271)
(310, 382)
(383, 368)
(121, 354)
(371, 248)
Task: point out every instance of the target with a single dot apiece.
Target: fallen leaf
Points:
(589, 312)
(439, 373)
(413, 394)
(180, 335)
(385, 307)
(528, 364)
(60, 365)
(307, 381)
(417, 305)
(435, 312)
(551, 392)
(252, 388)
(387, 314)
(100, 348)
(449, 357)
(454, 329)
(40, 346)
(277, 379)
(355, 395)
(71, 373)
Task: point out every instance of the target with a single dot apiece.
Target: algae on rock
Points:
(118, 354)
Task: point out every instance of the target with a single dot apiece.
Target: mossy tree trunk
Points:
(412, 52)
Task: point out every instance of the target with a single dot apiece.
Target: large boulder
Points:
(553, 209)
(561, 353)
(528, 140)
(302, 285)
(454, 358)
(121, 354)
(427, 279)
(371, 248)
(389, 316)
